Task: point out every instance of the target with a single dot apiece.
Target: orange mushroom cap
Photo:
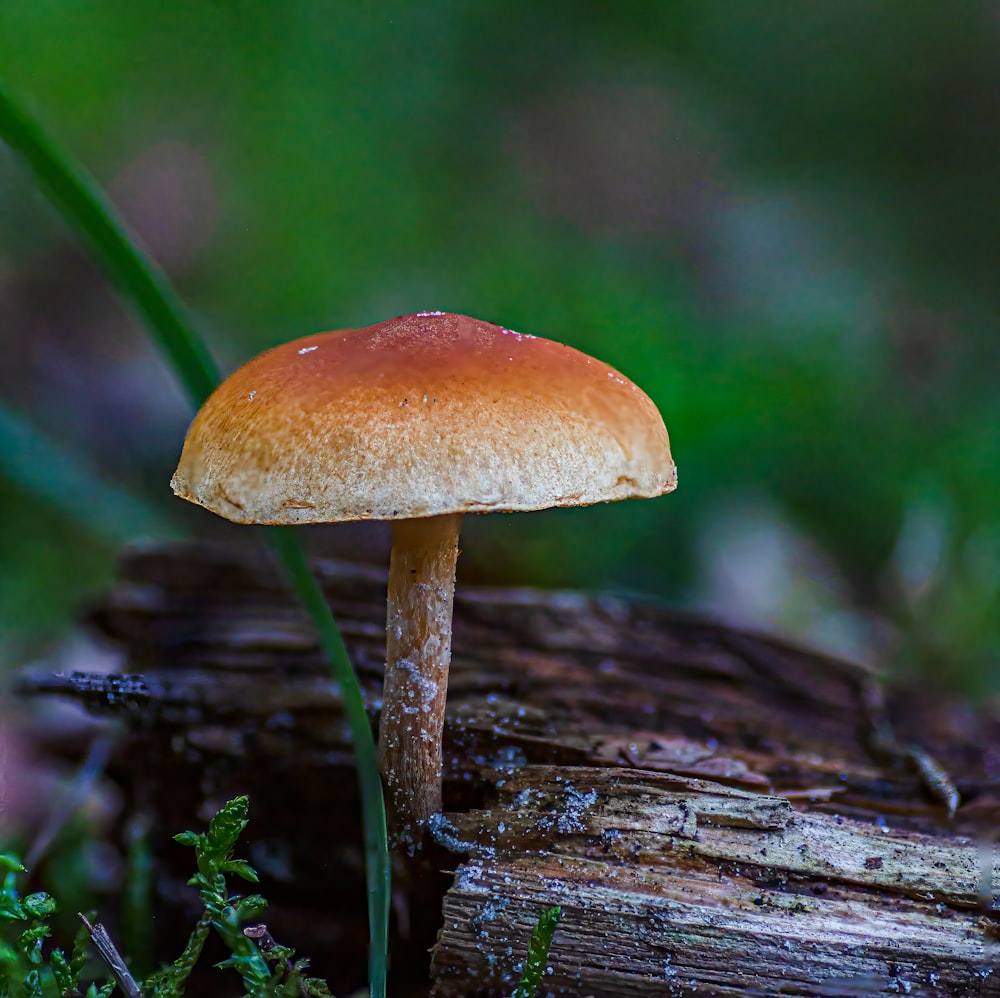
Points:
(417, 416)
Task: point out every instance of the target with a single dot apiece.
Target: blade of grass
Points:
(85, 208)
(538, 954)
(82, 204)
(332, 643)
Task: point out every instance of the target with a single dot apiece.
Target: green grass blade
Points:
(372, 802)
(538, 953)
(82, 204)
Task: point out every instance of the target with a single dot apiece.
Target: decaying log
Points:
(714, 812)
(671, 886)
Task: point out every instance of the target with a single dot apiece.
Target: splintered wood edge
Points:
(669, 883)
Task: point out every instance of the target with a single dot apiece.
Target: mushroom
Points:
(418, 420)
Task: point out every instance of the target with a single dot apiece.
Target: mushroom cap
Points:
(417, 416)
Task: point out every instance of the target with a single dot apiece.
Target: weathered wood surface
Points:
(676, 886)
(716, 813)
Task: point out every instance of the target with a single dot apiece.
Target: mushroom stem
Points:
(418, 654)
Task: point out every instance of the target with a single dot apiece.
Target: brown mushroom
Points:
(418, 420)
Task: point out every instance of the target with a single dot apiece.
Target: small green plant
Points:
(25, 972)
(538, 953)
(268, 969)
(225, 913)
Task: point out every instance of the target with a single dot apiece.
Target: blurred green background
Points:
(781, 219)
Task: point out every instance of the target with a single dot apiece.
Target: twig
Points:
(111, 956)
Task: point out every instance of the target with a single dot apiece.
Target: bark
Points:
(714, 812)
